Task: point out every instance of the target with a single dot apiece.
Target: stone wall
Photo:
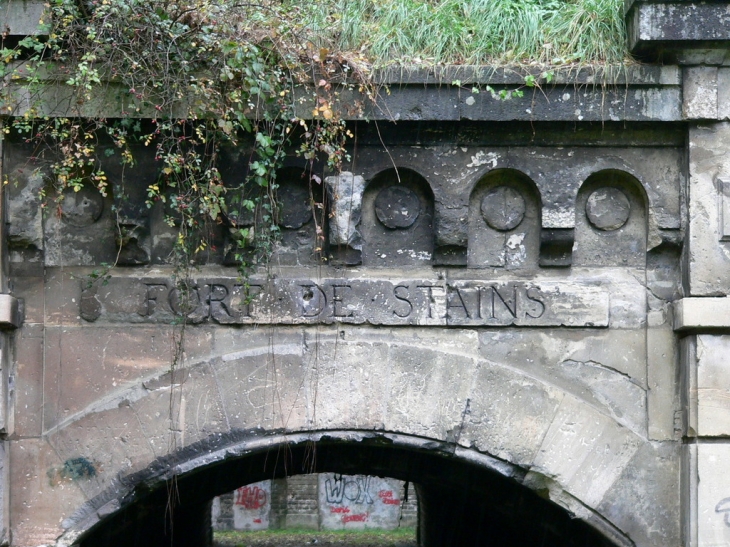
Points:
(318, 502)
(527, 298)
(504, 304)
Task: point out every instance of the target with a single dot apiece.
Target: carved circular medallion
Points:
(608, 209)
(81, 208)
(397, 207)
(295, 209)
(503, 208)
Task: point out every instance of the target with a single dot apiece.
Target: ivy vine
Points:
(207, 76)
(186, 79)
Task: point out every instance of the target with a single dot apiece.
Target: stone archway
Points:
(559, 366)
(466, 498)
(383, 402)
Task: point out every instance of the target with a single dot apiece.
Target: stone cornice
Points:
(681, 31)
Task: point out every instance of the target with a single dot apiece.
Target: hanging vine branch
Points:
(207, 74)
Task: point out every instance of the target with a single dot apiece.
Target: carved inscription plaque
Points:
(462, 303)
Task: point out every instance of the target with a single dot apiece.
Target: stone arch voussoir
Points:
(438, 394)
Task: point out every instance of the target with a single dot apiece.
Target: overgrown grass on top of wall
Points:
(550, 32)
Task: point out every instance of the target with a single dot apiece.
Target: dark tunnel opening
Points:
(461, 503)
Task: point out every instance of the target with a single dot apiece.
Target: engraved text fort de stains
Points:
(228, 301)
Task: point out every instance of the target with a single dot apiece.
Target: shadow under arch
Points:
(466, 498)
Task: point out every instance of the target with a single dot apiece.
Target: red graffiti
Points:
(257, 521)
(251, 497)
(386, 496)
(339, 509)
(362, 517)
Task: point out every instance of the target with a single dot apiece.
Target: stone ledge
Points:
(643, 100)
(667, 30)
(702, 314)
(604, 76)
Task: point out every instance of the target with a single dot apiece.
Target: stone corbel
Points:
(345, 195)
(10, 313)
(556, 247)
(132, 250)
(702, 314)
(451, 235)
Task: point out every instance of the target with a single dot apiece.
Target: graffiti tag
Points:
(354, 489)
(251, 497)
(386, 496)
(360, 517)
(724, 507)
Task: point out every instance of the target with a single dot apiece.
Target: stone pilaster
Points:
(703, 317)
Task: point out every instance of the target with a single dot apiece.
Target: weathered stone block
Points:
(29, 290)
(83, 365)
(507, 413)
(723, 93)
(343, 388)
(23, 17)
(84, 234)
(504, 223)
(416, 399)
(675, 27)
(45, 493)
(700, 93)
(25, 215)
(29, 381)
(63, 295)
(611, 222)
(398, 220)
(585, 451)
(264, 383)
(712, 484)
(650, 484)
(708, 258)
(346, 191)
(180, 408)
(100, 446)
(585, 363)
(663, 388)
(713, 385)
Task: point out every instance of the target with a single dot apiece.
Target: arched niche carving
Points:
(504, 222)
(397, 220)
(300, 216)
(611, 221)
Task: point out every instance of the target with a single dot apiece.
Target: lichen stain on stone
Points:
(73, 469)
(482, 158)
